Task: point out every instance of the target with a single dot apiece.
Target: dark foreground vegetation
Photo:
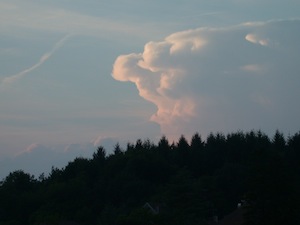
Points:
(188, 182)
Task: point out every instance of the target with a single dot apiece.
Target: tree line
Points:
(188, 182)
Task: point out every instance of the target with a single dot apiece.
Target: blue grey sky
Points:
(189, 66)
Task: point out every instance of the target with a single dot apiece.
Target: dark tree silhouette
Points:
(188, 183)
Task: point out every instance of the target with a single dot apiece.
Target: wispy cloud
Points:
(13, 78)
(19, 17)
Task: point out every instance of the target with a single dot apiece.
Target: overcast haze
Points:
(79, 74)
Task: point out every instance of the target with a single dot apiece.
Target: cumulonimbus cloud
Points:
(13, 78)
(207, 79)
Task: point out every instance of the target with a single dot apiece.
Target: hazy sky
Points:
(189, 66)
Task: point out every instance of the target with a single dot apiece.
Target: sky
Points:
(77, 74)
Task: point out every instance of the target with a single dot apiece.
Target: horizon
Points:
(48, 160)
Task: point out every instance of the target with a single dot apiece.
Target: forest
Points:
(188, 182)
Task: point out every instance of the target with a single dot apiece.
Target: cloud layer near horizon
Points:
(220, 79)
(38, 158)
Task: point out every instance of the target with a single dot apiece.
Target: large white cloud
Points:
(220, 79)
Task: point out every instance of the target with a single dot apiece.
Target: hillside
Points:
(187, 182)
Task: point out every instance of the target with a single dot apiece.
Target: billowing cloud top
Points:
(220, 79)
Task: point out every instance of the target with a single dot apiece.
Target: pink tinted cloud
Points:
(200, 80)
